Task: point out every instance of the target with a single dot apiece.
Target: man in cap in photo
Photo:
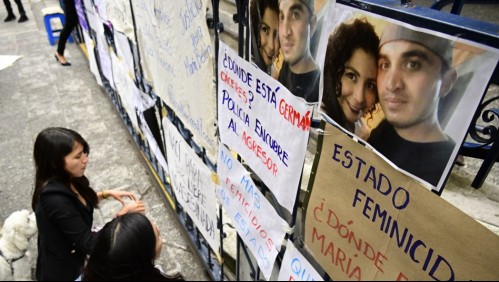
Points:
(414, 72)
(299, 72)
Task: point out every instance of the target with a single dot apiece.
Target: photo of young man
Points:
(414, 72)
(299, 73)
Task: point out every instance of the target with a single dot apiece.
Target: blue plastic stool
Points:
(49, 14)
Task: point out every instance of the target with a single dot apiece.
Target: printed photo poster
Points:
(295, 267)
(367, 221)
(192, 184)
(415, 103)
(255, 219)
(264, 123)
(276, 44)
(177, 58)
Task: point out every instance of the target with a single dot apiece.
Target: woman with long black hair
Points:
(64, 202)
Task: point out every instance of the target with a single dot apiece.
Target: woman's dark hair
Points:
(52, 145)
(125, 249)
(257, 10)
(342, 44)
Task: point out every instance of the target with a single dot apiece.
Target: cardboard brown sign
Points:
(367, 221)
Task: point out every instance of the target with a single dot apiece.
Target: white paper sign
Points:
(264, 123)
(177, 58)
(89, 43)
(126, 89)
(120, 15)
(124, 52)
(192, 185)
(295, 267)
(7, 61)
(105, 58)
(255, 219)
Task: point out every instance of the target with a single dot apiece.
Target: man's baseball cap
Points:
(308, 3)
(440, 46)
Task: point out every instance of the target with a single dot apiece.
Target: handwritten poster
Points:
(125, 88)
(119, 13)
(367, 221)
(124, 53)
(92, 61)
(178, 58)
(104, 58)
(264, 123)
(94, 25)
(192, 185)
(255, 219)
(295, 267)
(100, 9)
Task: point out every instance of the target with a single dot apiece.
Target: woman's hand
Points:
(135, 206)
(119, 195)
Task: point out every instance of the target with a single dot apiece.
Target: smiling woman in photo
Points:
(350, 72)
(264, 23)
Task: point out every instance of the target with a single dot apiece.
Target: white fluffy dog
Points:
(15, 261)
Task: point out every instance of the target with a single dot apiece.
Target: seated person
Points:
(125, 250)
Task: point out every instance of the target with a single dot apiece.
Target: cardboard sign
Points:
(367, 221)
